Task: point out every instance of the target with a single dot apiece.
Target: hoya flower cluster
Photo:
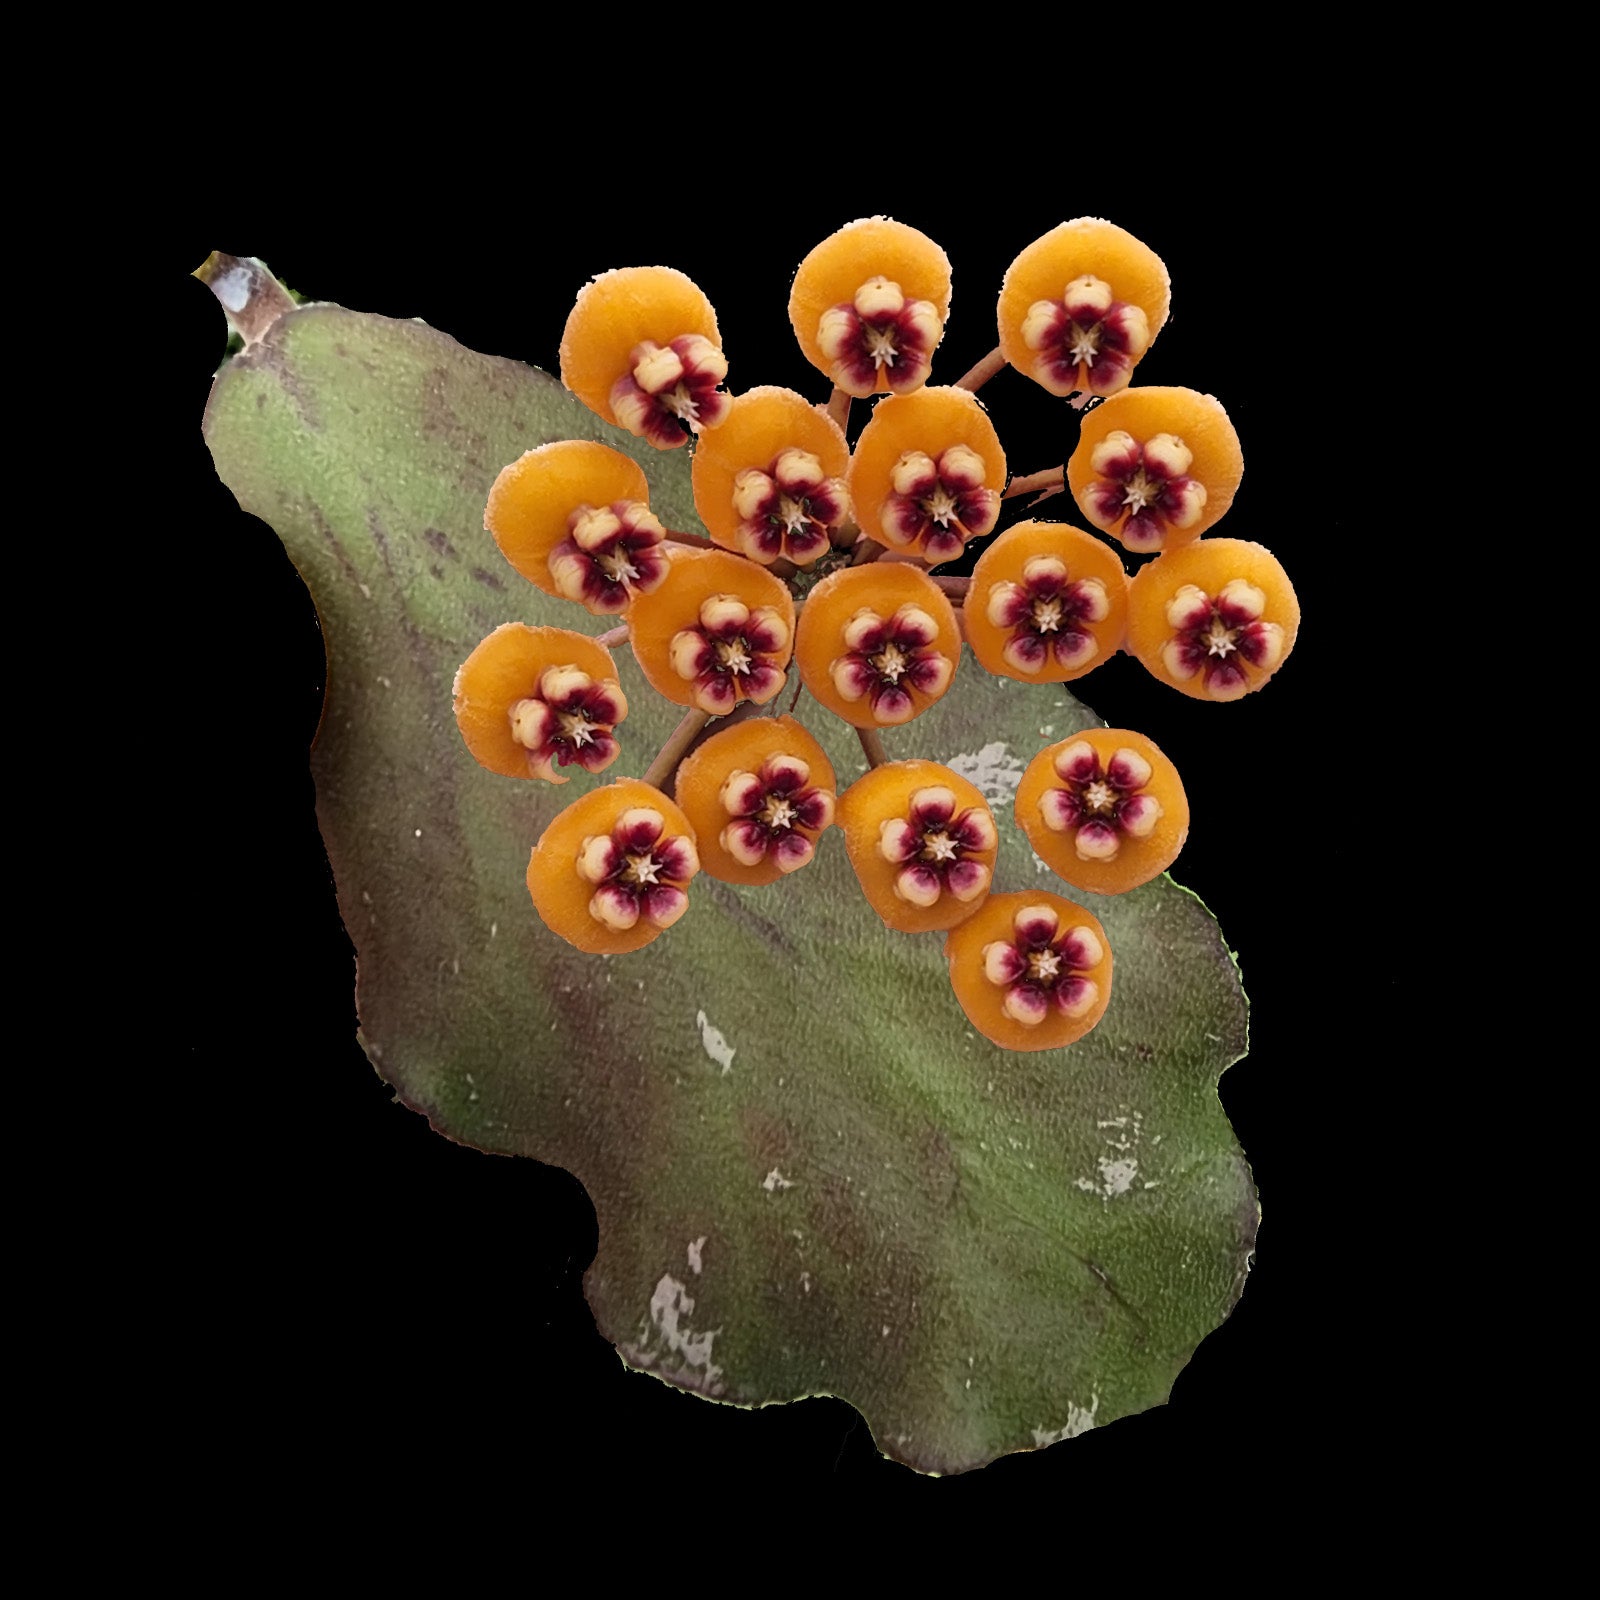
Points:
(815, 560)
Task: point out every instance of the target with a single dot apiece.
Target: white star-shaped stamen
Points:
(578, 728)
(941, 506)
(683, 405)
(643, 869)
(1099, 796)
(881, 346)
(891, 663)
(792, 514)
(734, 656)
(1139, 492)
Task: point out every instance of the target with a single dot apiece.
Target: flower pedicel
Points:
(876, 639)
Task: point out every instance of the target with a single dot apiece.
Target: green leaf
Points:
(810, 1176)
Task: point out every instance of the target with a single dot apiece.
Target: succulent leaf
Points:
(810, 1175)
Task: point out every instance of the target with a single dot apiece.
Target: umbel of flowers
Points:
(815, 561)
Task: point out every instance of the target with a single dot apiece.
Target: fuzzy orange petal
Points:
(621, 309)
(533, 497)
(869, 248)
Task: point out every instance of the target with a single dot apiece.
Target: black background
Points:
(380, 1285)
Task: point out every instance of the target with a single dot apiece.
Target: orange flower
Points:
(1047, 603)
(878, 644)
(869, 305)
(1105, 810)
(1031, 971)
(769, 481)
(611, 872)
(927, 473)
(641, 350)
(718, 631)
(922, 841)
(574, 519)
(759, 794)
(528, 700)
(1155, 468)
(1080, 306)
(1215, 619)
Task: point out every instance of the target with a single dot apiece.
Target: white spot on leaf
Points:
(668, 1338)
(1117, 1176)
(774, 1181)
(1118, 1171)
(993, 770)
(715, 1043)
(1078, 1421)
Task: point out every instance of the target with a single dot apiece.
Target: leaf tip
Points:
(251, 298)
